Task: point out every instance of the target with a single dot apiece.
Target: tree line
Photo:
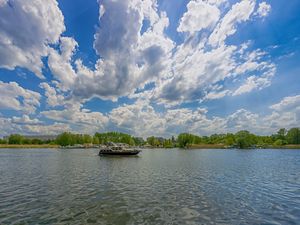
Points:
(242, 139)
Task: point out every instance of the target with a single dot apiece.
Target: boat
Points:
(118, 149)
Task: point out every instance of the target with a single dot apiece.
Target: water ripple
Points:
(42, 186)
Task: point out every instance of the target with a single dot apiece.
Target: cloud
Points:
(266, 69)
(78, 118)
(216, 95)
(60, 63)
(242, 119)
(26, 126)
(131, 56)
(141, 119)
(137, 59)
(128, 58)
(25, 119)
(48, 129)
(286, 113)
(251, 84)
(194, 71)
(17, 98)
(287, 104)
(27, 29)
(203, 62)
(238, 13)
(263, 9)
(199, 15)
(53, 98)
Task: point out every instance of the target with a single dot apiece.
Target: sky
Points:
(149, 67)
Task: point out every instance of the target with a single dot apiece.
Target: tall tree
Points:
(293, 136)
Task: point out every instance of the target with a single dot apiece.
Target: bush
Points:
(279, 142)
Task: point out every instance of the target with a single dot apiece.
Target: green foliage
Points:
(96, 140)
(16, 139)
(185, 140)
(70, 139)
(138, 141)
(293, 136)
(115, 137)
(87, 139)
(153, 141)
(65, 139)
(36, 141)
(229, 139)
(3, 141)
(168, 143)
(278, 142)
(281, 134)
(244, 139)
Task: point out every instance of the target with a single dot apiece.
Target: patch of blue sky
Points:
(81, 21)
(105, 106)
(23, 77)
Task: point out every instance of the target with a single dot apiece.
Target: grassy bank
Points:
(207, 146)
(194, 146)
(28, 146)
(222, 146)
(284, 147)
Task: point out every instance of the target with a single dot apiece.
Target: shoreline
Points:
(221, 146)
(193, 147)
(28, 146)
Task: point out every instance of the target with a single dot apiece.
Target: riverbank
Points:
(222, 146)
(208, 146)
(198, 146)
(29, 146)
(284, 147)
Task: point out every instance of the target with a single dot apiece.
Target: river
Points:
(46, 186)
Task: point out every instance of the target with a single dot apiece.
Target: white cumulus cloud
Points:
(238, 13)
(18, 98)
(26, 30)
(263, 9)
(199, 15)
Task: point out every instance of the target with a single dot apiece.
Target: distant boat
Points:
(118, 149)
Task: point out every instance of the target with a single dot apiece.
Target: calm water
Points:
(40, 186)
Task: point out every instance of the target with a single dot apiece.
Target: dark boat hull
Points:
(133, 152)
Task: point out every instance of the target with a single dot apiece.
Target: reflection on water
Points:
(40, 186)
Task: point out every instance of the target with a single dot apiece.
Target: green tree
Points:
(36, 141)
(27, 141)
(244, 139)
(138, 141)
(96, 140)
(185, 140)
(16, 139)
(3, 141)
(87, 139)
(293, 136)
(153, 141)
(278, 142)
(168, 143)
(65, 139)
(229, 139)
(115, 137)
(281, 134)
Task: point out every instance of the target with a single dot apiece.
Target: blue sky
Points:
(149, 67)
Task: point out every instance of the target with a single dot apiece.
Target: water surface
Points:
(41, 186)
